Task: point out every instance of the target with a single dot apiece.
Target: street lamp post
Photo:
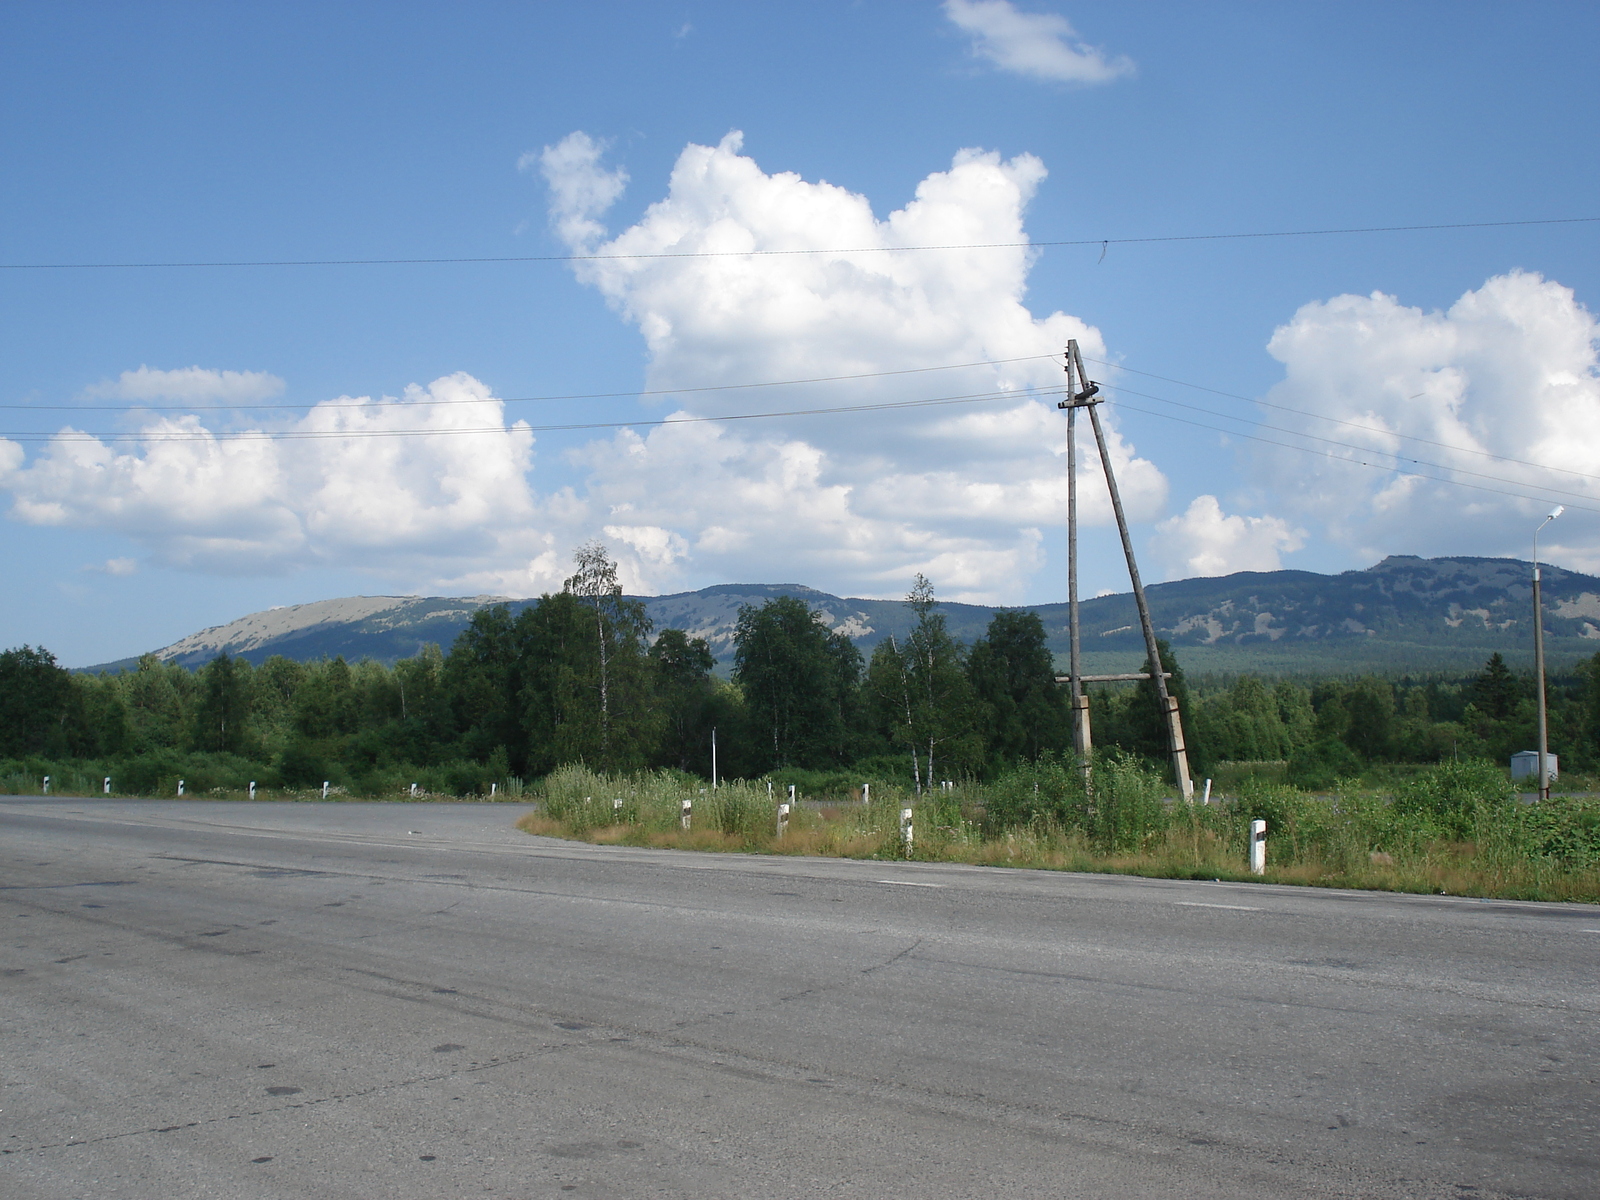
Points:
(1538, 659)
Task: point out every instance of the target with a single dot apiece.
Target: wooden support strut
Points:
(1083, 393)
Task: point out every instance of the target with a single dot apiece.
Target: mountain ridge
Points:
(1404, 613)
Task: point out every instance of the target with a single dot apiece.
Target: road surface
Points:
(391, 1000)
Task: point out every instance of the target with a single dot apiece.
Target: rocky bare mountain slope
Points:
(1404, 614)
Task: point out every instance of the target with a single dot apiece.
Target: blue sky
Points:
(204, 133)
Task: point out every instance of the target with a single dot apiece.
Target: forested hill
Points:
(1404, 614)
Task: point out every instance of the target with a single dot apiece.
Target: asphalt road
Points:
(239, 1000)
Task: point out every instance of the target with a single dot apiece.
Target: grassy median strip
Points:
(1456, 828)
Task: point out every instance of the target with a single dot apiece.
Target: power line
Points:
(1575, 500)
(1300, 412)
(1399, 458)
(667, 254)
(365, 404)
(262, 435)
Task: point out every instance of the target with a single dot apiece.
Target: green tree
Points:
(1245, 725)
(1013, 674)
(222, 714)
(1495, 691)
(799, 681)
(35, 702)
(617, 672)
(684, 687)
(922, 691)
(326, 703)
(1370, 704)
(1143, 727)
(484, 682)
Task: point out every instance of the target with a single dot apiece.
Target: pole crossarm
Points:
(1128, 677)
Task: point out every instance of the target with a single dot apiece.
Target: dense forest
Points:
(581, 677)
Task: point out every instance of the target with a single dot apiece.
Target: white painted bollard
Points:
(252, 789)
(1258, 847)
(1206, 799)
(106, 788)
(905, 830)
(47, 785)
(324, 789)
(413, 791)
(687, 809)
(492, 788)
(866, 793)
(180, 787)
(783, 819)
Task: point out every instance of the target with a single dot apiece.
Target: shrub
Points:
(1460, 800)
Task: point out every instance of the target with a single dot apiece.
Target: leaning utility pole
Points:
(1084, 393)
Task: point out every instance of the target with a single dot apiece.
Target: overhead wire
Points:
(1378, 466)
(136, 406)
(1398, 457)
(1300, 412)
(796, 252)
(249, 435)
(1401, 463)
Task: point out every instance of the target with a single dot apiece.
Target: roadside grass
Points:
(1453, 829)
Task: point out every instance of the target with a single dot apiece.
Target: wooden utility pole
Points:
(1084, 393)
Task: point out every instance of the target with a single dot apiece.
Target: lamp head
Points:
(1556, 512)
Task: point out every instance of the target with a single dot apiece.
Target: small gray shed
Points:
(1525, 765)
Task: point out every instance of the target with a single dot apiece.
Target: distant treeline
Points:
(580, 677)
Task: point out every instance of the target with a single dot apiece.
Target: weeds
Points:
(1454, 828)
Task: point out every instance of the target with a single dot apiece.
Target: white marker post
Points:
(107, 786)
(616, 806)
(180, 787)
(866, 793)
(413, 791)
(492, 788)
(47, 785)
(252, 789)
(688, 808)
(1258, 847)
(905, 830)
(783, 819)
(324, 789)
(791, 793)
(1206, 799)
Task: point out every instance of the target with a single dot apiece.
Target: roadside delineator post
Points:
(783, 819)
(866, 793)
(180, 787)
(252, 789)
(492, 788)
(324, 789)
(107, 786)
(47, 785)
(413, 791)
(688, 809)
(1258, 847)
(905, 830)
(1206, 799)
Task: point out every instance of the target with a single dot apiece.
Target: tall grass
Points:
(1453, 828)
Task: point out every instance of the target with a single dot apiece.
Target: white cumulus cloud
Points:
(862, 500)
(580, 190)
(189, 385)
(1498, 394)
(452, 492)
(1204, 540)
(1039, 45)
(437, 491)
